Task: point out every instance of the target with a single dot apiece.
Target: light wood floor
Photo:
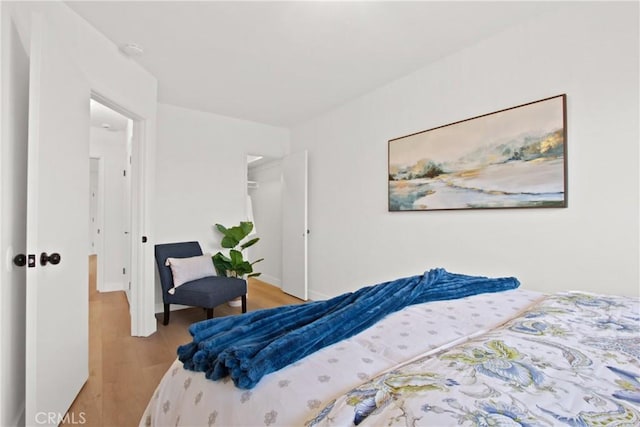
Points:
(124, 370)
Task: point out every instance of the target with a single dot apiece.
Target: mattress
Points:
(573, 359)
(296, 394)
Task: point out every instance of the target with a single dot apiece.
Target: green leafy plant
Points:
(234, 264)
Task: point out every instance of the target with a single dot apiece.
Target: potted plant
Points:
(234, 264)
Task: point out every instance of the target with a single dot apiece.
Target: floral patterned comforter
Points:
(573, 359)
(295, 394)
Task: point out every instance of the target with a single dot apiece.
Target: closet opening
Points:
(264, 209)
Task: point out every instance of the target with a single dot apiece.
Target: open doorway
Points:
(264, 209)
(277, 202)
(111, 141)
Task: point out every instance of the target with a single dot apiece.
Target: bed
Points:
(516, 357)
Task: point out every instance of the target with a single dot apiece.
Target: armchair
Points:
(207, 292)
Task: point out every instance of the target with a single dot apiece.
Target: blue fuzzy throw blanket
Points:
(249, 346)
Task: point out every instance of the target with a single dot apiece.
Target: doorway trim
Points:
(142, 313)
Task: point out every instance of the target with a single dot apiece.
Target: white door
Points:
(57, 212)
(294, 225)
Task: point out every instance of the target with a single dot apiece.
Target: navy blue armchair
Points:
(207, 292)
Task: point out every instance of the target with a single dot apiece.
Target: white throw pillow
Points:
(187, 269)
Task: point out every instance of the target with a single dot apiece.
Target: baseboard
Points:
(111, 287)
(317, 296)
(272, 280)
(172, 307)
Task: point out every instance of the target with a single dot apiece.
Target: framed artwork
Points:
(512, 158)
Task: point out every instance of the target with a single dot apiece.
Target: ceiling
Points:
(106, 118)
(282, 63)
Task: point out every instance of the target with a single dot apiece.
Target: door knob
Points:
(20, 260)
(54, 258)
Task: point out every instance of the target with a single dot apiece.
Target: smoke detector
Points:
(132, 49)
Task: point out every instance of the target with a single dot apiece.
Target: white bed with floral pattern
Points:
(296, 393)
(573, 359)
(516, 356)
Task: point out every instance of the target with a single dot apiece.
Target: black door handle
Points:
(54, 258)
(20, 260)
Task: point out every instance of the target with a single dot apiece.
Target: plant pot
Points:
(235, 302)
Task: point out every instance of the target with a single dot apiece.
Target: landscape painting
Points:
(513, 158)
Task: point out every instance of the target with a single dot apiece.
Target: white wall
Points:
(111, 147)
(14, 92)
(201, 173)
(590, 52)
(267, 211)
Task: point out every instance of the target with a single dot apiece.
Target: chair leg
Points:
(209, 313)
(166, 315)
(244, 303)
